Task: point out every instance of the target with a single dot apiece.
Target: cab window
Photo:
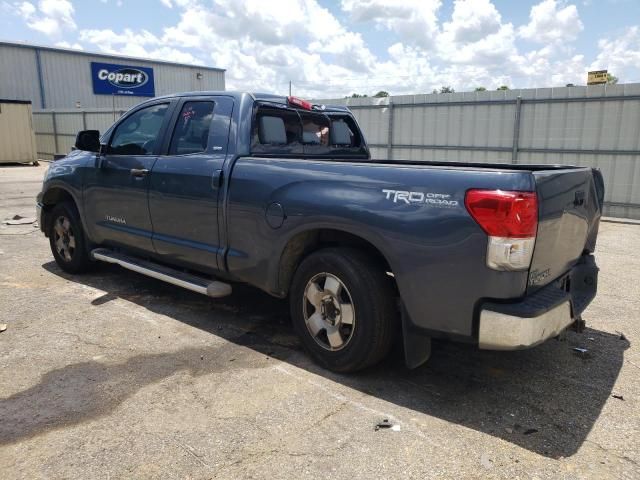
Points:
(191, 133)
(280, 131)
(315, 133)
(277, 131)
(138, 133)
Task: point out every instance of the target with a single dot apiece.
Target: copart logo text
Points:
(124, 78)
(428, 198)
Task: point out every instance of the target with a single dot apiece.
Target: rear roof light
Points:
(504, 213)
(298, 102)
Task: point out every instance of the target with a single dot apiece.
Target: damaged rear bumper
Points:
(542, 315)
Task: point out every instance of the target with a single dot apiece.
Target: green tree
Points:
(381, 93)
(446, 89)
(503, 87)
(480, 89)
(611, 79)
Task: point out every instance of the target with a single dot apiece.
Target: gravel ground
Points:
(114, 375)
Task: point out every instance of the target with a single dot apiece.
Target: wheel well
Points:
(50, 199)
(305, 243)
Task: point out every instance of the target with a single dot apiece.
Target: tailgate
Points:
(570, 205)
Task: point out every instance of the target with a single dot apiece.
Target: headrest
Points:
(271, 131)
(340, 134)
(310, 137)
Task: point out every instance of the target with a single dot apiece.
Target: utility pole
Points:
(289, 87)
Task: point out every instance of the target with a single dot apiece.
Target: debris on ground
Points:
(508, 430)
(486, 462)
(619, 397)
(3, 327)
(581, 352)
(19, 220)
(383, 424)
(530, 431)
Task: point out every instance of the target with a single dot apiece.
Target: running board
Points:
(205, 286)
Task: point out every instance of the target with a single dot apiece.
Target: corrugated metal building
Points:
(17, 140)
(57, 78)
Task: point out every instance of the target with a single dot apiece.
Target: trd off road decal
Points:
(423, 198)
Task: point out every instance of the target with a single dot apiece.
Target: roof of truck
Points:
(257, 96)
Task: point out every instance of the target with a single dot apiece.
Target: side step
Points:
(206, 286)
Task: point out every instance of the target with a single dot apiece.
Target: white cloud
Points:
(472, 20)
(65, 44)
(263, 48)
(550, 22)
(51, 17)
(110, 40)
(136, 44)
(620, 55)
(26, 9)
(414, 21)
(476, 35)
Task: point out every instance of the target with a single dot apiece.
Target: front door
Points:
(116, 189)
(186, 182)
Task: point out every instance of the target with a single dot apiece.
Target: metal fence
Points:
(56, 129)
(597, 126)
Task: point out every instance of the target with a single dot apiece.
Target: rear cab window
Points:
(284, 131)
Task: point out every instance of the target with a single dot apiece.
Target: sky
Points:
(333, 48)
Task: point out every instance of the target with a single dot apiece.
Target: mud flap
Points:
(417, 344)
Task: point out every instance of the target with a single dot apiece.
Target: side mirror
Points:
(88, 140)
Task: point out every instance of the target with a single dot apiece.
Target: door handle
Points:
(217, 179)
(139, 172)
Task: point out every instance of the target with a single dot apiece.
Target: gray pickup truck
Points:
(205, 189)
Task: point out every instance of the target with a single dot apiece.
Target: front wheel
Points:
(342, 308)
(67, 239)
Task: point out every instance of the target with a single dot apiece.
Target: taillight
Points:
(298, 102)
(511, 221)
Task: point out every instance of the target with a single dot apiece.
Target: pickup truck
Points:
(206, 189)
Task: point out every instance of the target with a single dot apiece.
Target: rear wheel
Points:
(67, 239)
(342, 309)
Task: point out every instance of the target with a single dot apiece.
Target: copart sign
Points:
(111, 79)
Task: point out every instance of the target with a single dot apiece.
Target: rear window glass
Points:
(288, 131)
(277, 131)
(315, 129)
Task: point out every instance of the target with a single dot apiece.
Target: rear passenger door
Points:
(186, 181)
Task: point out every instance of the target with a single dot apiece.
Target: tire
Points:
(342, 308)
(67, 239)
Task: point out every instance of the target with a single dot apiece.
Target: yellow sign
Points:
(597, 77)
